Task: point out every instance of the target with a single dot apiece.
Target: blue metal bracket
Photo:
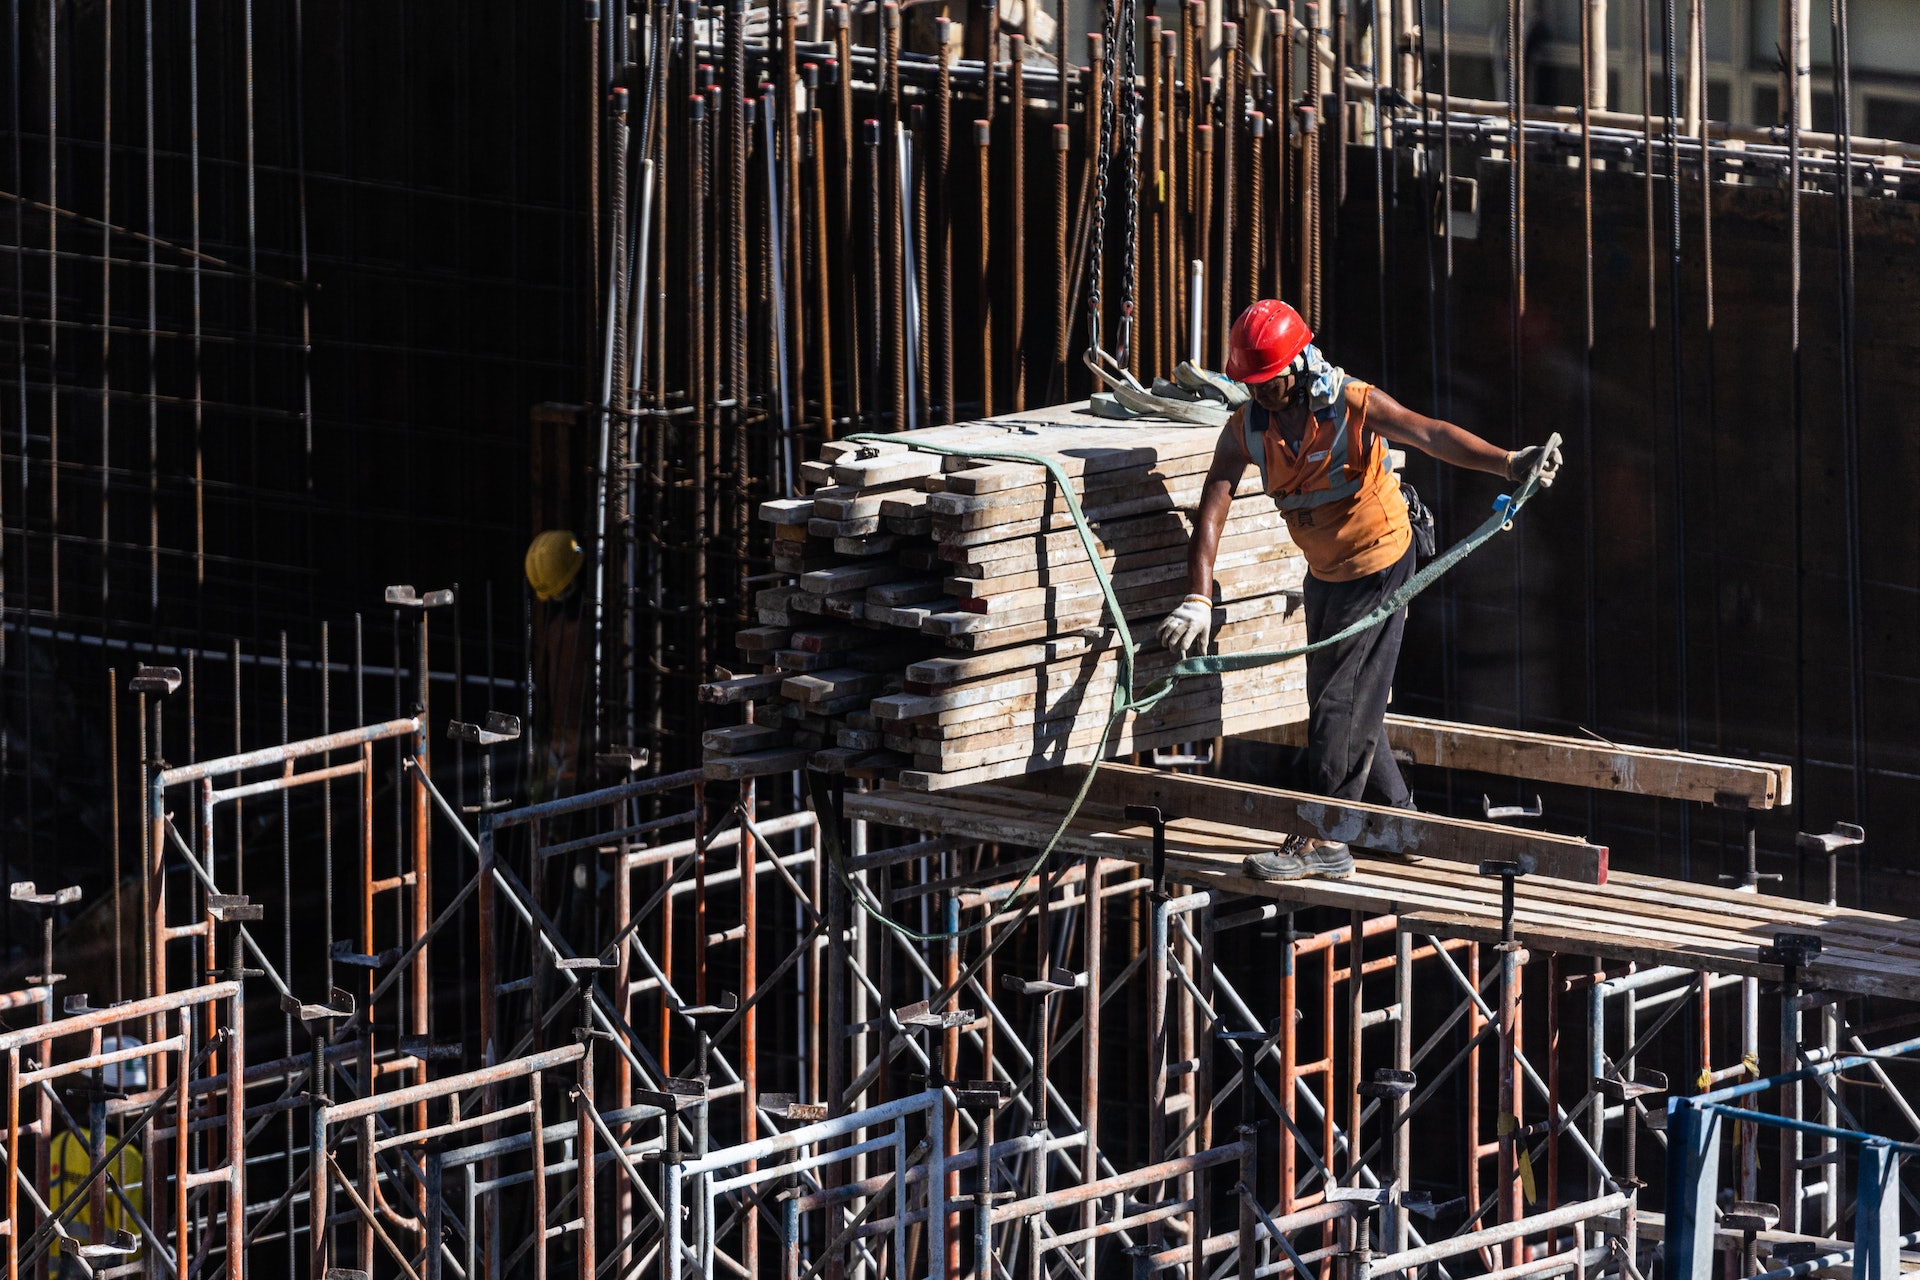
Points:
(1876, 1215)
(1693, 1170)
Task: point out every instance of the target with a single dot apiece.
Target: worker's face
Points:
(1275, 394)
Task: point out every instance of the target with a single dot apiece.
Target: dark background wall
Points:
(389, 204)
(394, 226)
(1578, 623)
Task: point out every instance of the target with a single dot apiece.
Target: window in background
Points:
(1896, 118)
(1719, 99)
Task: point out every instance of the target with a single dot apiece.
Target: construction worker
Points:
(1320, 440)
(562, 654)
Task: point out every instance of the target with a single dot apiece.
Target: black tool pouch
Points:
(1421, 518)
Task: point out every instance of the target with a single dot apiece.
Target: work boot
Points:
(1299, 857)
(1328, 859)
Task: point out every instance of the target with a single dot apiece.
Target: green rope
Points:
(1505, 508)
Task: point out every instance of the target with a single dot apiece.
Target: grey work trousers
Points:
(1347, 686)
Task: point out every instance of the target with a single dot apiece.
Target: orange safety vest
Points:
(1338, 492)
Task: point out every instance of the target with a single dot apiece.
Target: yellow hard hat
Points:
(553, 562)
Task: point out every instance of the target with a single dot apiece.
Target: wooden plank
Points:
(884, 657)
(790, 557)
(997, 665)
(907, 504)
(847, 502)
(870, 544)
(761, 639)
(1090, 702)
(821, 527)
(1580, 762)
(1046, 515)
(890, 467)
(754, 764)
(908, 617)
(1140, 618)
(790, 511)
(1083, 677)
(952, 669)
(829, 685)
(1257, 542)
(796, 661)
(1630, 917)
(889, 595)
(1174, 721)
(740, 739)
(1076, 718)
(1367, 826)
(1163, 472)
(836, 640)
(1063, 549)
(849, 577)
(999, 477)
(1154, 591)
(738, 689)
(832, 451)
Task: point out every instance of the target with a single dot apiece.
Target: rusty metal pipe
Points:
(1095, 941)
(1017, 144)
(892, 351)
(1062, 297)
(942, 159)
(843, 81)
(878, 237)
(1152, 333)
(1256, 210)
(1231, 111)
(696, 298)
(798, 321)
(982, 141)
(1283, 148)
(286, 753)
(922, 262)
(1203, 243)
(1171, 261)
(822, 266)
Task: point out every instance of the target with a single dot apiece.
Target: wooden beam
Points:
(1365, 826)
(1643, 918)
(1578, 762)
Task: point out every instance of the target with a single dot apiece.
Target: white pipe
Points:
(777, 255)
(1196, 289)
(636, 354)
(614, 268)
(912, 284)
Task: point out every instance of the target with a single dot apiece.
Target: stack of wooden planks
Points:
(940, 621)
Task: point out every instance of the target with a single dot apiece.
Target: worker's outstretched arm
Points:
(1216, 498)
(1454, 445)
(1185, 629)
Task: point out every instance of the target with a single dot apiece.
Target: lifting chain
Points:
(1119, 129)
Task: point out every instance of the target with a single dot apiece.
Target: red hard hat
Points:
(1265, 340)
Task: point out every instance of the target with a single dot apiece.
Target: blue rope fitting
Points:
(1504, 507)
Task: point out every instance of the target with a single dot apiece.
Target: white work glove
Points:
(1185, 629)
(1521, 461)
